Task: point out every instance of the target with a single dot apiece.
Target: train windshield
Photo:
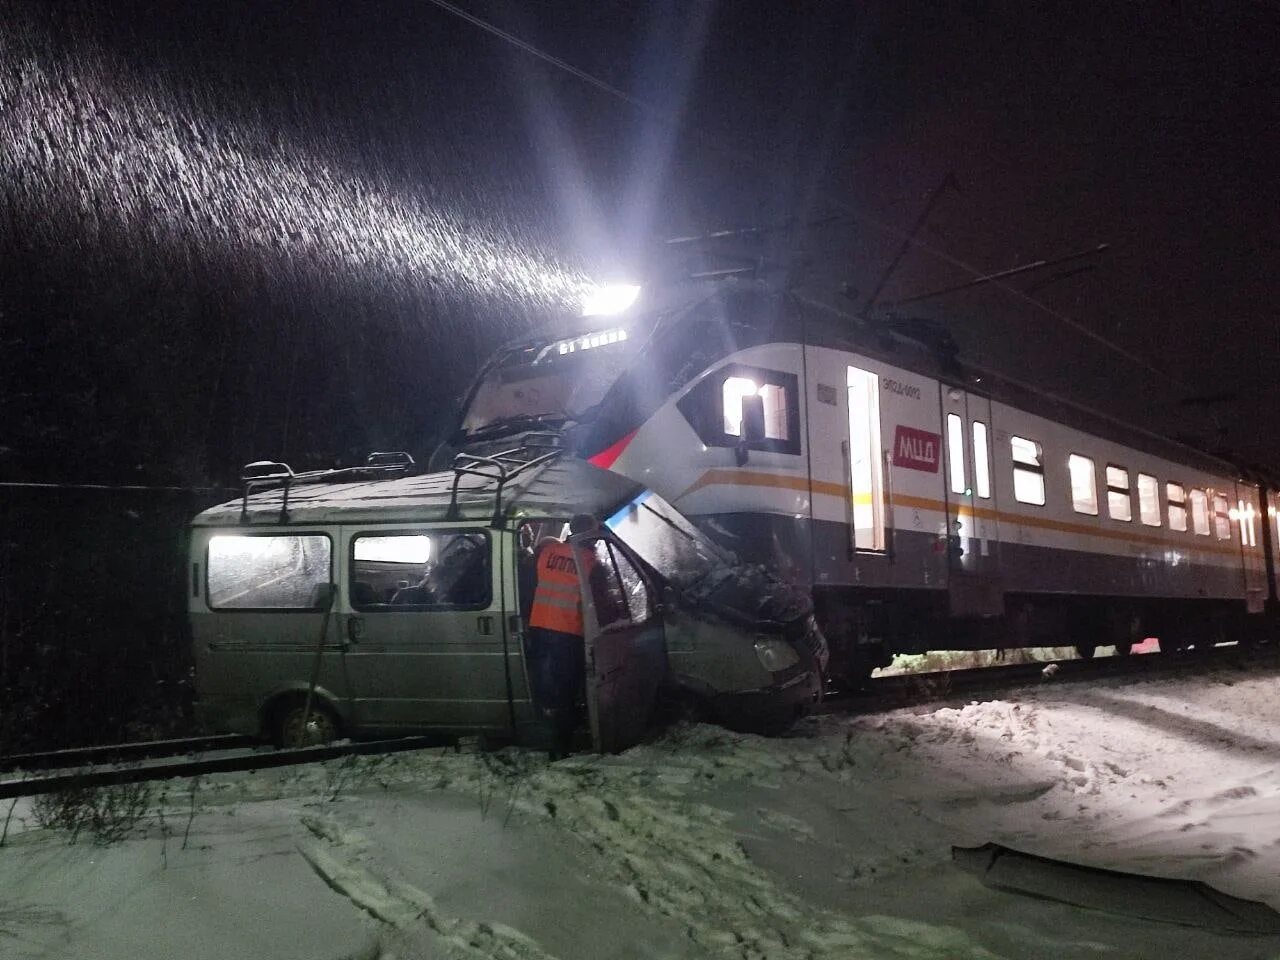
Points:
(550, 382)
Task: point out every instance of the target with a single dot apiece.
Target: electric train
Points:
(924, 504)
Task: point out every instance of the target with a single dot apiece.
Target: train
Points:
(924, 503)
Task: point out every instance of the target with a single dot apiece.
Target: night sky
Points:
(237, 230)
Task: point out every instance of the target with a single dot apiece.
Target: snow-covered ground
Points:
(831, 843)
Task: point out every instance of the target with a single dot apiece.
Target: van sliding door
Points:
(425, 635)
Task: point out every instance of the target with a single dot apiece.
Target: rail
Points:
(141, 750)
(168, 770)
(904, 689)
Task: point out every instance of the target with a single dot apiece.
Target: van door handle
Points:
(485, 625)
(355, 629)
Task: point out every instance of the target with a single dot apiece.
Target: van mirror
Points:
(322, 596)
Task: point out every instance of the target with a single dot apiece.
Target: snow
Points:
(834, 842)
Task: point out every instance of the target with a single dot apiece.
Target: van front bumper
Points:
(773, 709)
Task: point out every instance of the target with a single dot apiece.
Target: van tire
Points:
(286, 724)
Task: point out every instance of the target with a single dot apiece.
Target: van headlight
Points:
(776, 654)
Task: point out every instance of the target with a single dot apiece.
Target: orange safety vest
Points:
(557, 601)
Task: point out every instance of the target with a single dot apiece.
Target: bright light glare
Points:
(735, 389)
(609, 299)
(399, 549)
(235, 546)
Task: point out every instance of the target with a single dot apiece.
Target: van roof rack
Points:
(536, 450)
(269, 474)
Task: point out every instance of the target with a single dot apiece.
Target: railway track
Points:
(169, 768)
(911, 689)
(120, 752)
(79, 768)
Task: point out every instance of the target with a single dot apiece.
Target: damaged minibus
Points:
(375, 601)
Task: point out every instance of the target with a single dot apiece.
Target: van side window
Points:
(1199, 512)
(1177, 497)
(1028, 471)
(1084, 484)
(621, 595)
(420, 570)
(267, 571)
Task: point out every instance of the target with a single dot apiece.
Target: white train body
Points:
(926, 505)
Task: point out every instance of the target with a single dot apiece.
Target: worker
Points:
(556, 641)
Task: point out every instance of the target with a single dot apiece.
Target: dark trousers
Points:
(557, 666)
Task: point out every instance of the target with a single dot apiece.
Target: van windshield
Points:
(706, 573)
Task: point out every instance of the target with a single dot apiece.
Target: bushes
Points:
(104, 814)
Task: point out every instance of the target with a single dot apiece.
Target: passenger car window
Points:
(1221, 517)
(1149, 499)
(1199, 512)
(981, 464)
(955, 453)
(1084, 484)
(267, 571)
(1177, 498)
(417, 570)
(1028, 471)
(1119, 503)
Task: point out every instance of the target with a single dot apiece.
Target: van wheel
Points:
(287, 731)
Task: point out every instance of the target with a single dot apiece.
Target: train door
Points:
(626, 654)
(973, 541)
(866, 464)
(1253, 564)
(426, 635)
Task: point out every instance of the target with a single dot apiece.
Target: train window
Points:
(1199, 512)
(1221, 517)
(1119, 502)
(1177, 498)
(1084, 484)
(1028, 471)
(405, 571)
(981, 460)
(267, 572)
(1245, 514)
(774, 401)
(1149, 499)
(718, 407)
(955, 453)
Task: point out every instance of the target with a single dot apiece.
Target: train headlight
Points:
(775, 654)
(609, 299)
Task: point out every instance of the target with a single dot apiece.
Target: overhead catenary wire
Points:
(716, 142)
